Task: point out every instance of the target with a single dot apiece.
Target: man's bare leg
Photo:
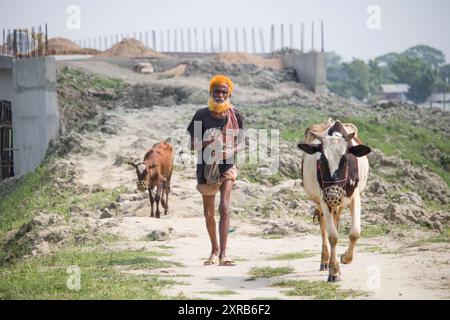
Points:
(208, 211)
(224, 211)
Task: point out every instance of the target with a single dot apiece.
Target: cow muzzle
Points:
(142, 185)
(333, 196)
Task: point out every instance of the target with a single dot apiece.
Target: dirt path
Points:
(413, 273)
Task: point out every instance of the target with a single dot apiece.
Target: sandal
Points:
(226, 262)
(211, 260)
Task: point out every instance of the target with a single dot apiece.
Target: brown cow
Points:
(156, 171)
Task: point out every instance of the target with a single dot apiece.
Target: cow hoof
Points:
(323, 267)
(335, 278)
(344, 260)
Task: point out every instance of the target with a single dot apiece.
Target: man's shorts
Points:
(211, 189)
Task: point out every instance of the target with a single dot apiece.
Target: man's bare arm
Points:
(200, 145)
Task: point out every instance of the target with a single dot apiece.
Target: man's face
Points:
(220, 94)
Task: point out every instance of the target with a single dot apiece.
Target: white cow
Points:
(335, 171)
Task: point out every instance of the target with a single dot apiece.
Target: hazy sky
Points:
(403, 23)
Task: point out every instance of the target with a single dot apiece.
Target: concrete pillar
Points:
(253, 40)
(310, 69)
(35, 111)
(236, 40)
(261, 40)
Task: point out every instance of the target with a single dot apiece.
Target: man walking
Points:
(215, 136)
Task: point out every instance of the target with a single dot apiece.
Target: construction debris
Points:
(144, 67)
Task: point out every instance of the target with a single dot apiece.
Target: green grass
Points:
(98, 199)
(444, 237)
(371, 231)
(249, 172)
(271, 236)
(317, 289)
(292, 256)
(219, 292)
(38, 192)
(81, 81)
(164, 246)
(33, 194)
(45, 277)
(376, 249)
(269, 272)
(396, 136)
(291, 121)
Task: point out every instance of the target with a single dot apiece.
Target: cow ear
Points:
(309, 148)
(359, 150)
(131, 163)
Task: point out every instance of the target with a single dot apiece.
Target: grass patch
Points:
(164, 246)
(45, 277)
(372, 231)
(271, 236)
(444, 237)
(318, 289)
(80, 81)
(395, 136)
(238, 259)
(376, 249)
(249, 172)
(269, 272)
(292, 256)
(35, 193)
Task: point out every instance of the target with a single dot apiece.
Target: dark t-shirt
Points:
(208, 122)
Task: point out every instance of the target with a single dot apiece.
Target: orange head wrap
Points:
(221, 79)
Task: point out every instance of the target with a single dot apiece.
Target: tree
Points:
(428, 55)
(348, 79)
(441, 82)
(419, 75)
(358, 78)
(333, 63)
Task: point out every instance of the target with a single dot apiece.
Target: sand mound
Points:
(130, 48)
(62, 46)
(240, 57)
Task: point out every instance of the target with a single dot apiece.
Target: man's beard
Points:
(218, 107)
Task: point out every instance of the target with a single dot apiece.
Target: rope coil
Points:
(212, 172)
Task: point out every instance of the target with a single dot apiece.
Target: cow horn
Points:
(318, 136)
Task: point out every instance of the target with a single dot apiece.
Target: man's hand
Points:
(201, 145)
(206, 143)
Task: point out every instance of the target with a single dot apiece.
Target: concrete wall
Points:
(6, 89)
(310, 68)
(34, 110)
